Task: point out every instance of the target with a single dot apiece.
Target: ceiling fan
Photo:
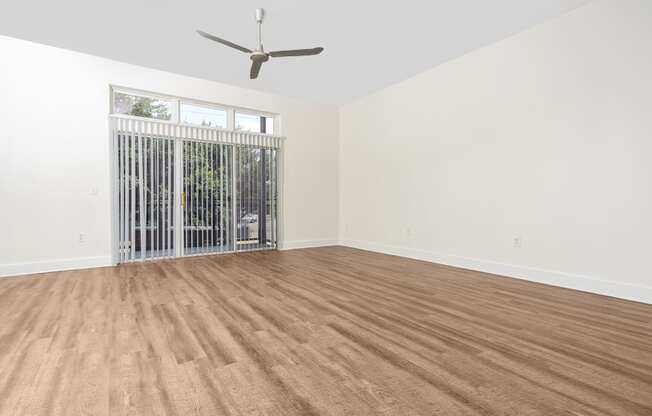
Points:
(258, 56)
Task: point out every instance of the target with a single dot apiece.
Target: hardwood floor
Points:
(328, 331)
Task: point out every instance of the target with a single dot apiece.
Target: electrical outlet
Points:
(518, 242)
(82, 238)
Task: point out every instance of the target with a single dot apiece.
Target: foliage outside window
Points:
(141, 106)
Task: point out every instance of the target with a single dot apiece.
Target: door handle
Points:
(183, 200)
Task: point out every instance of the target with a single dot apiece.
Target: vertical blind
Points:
(145, 188)
(256, 196)
(184, 190)
(207, 197)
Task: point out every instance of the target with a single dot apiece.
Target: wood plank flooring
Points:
(327, 331)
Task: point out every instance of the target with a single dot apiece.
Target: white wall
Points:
(54, 150)
(545, 136)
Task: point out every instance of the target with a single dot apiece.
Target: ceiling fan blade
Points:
(296, 52)
(224, 42)
(255, 68)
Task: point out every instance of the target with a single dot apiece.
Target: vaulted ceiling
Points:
(368, 44)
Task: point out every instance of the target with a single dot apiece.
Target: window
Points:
(143, 106)
(203, 116)
(254, 123)
(161, 107)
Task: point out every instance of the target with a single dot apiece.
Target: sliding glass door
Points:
(185, 192)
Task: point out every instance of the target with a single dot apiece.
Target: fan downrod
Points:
(260, 15)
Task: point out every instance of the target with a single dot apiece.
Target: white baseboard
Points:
(17, 269)
(550, 277)
(291, 245)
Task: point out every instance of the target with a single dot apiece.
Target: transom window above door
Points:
(141, 104)
(255, 123)
(202, 115)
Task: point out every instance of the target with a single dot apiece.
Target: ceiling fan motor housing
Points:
(259, 56)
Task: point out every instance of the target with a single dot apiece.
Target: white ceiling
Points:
(368, 44)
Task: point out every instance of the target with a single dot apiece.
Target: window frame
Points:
(178, 101)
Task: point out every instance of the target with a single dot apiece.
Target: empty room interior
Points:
(289, 208)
